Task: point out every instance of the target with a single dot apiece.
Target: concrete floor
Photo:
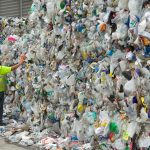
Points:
(6, 146)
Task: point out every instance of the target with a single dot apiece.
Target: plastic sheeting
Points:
(86, 81)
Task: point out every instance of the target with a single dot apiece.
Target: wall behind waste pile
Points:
(14, 8)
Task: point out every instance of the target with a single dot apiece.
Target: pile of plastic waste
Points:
(86, 81)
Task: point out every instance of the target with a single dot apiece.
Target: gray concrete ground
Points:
(6, 146)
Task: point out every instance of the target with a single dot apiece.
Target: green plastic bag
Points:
(113, 128)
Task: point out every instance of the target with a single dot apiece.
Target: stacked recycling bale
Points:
(86, 77)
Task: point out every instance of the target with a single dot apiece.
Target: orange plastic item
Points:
(145, 41)
(102, 27)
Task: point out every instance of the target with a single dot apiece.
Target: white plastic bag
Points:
(123, 65)
(132, 127)
(123, 4)
(135, 7)
(130, 86)
(144, 142)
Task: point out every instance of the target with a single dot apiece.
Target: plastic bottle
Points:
(103, 77)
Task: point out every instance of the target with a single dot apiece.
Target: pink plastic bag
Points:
(11, 38)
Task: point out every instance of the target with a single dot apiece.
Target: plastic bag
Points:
(135, 7)
(130, 86)
(132, 127)
(123, 4)
(144, 142)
